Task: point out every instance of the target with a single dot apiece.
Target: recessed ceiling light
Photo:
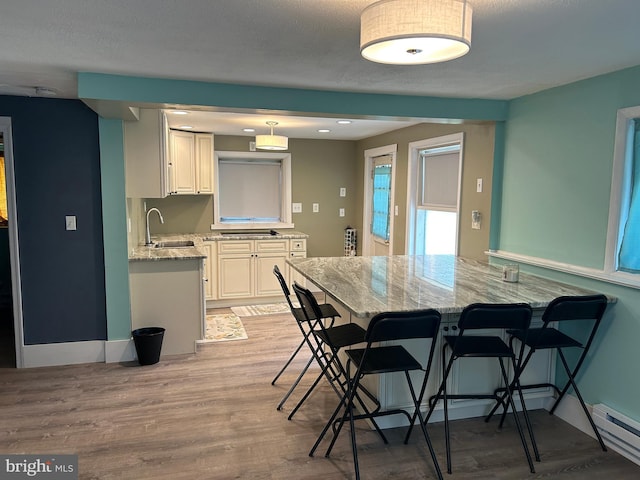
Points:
(186, 127)
(179, 112)
(324, 130)
(249, 130)
(344, 122)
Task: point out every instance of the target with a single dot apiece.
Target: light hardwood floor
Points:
(212, 416)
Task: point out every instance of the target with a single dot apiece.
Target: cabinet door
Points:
(204, 163)
(292, 274)
(236, 276)
(210, 271)
(266, 282)
(183, 162)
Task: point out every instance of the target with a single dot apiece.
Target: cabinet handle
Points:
(446, 329)
(454, 327)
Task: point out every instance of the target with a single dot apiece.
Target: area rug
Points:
(267, 309)
(224, 327)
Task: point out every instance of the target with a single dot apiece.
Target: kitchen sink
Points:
(175, 244)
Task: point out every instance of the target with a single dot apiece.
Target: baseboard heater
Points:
(619, 432)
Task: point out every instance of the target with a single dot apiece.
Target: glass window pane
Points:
(440, 232)
(250, 191)
(381, 201)
(629, 255)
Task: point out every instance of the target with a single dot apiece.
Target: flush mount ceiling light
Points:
(414, 32)
(272, 142)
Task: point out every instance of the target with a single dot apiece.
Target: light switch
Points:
(296, 208)
(479, 185)
(316, 207)
(70, 222)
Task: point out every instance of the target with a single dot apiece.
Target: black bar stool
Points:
(326, 311)
(585, 309)
(325, 342)
(484, 316)
(375, 360)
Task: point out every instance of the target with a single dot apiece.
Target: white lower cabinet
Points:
(245, 267)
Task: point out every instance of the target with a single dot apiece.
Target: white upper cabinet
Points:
(145, 149)
(161, 162)
(190, 166)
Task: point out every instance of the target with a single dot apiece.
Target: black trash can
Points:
(148, 342)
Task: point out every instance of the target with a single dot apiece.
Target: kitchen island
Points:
(365, 286)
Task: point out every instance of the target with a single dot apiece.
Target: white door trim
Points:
(5, 128)
(369, 155)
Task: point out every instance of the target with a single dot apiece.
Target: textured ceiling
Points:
(518, 46)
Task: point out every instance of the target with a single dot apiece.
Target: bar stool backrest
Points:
(283, 284)
(587, 307)
(307, 301)
(495, 315)
(403, 326)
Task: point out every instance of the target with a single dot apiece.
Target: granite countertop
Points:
(370, 285)
(151, 253)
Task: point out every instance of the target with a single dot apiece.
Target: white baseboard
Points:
(120, 351)
(570, 411)
(68, 353)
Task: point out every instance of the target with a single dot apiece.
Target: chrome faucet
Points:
(148, 237)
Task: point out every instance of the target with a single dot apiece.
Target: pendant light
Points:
(413, 32)
(271, 141)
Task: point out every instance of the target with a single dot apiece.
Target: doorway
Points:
(10, 295)
(434, 186)
(379, 210)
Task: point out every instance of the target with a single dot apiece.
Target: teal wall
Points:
(557, 165)
(112, 173)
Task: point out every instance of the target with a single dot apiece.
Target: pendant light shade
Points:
(413, 32)
(272, 142)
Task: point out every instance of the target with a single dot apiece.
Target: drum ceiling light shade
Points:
(415, 32)
(272, 142)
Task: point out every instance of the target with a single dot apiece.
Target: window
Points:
(4, 214)
(623, 252)
(381, 199)
(435, 174)
(253, 190)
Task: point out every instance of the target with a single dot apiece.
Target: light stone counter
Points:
(370, 285)
(150, 253)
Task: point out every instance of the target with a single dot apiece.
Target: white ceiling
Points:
(518, 46)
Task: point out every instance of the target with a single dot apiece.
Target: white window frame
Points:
(619, 176)
(285, 189)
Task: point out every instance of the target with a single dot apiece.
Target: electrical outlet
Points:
(316, 207)
(342, 212)
(343, 191)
